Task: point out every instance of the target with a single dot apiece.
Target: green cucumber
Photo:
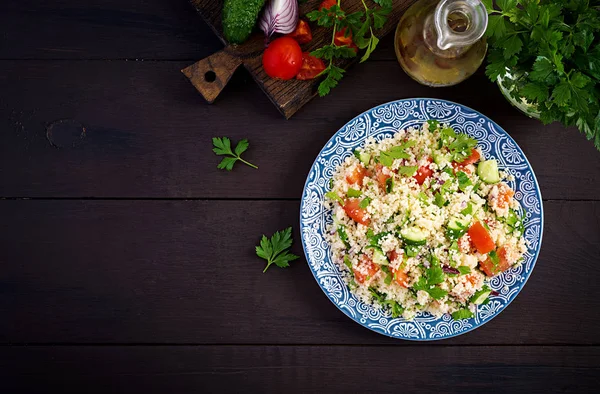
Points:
(413, 236)
(480, 296)
(239, 18)
(364, 158)
(438, 157)
(379, 257)
(456, 228)
(488, 171)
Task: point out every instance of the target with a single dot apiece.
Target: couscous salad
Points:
(421, 220)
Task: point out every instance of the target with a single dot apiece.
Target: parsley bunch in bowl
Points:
(547, 52)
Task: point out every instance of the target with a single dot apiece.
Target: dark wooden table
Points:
(127, 259)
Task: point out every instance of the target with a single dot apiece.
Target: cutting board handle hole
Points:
(210, 76)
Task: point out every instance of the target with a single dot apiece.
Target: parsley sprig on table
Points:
(275, 250)
(552, 50)
(222, 146)
(361, 24)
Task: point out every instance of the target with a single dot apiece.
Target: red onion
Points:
(279, 16)
(450, 270)
(494, 293)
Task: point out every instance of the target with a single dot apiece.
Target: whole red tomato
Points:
(282, 58)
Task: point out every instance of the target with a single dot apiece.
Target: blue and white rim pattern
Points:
(381, 122)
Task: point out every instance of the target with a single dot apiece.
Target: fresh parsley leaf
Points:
(462, 147)
(468, 210)
(411, 250)
(462, 314)
(389, 185)
(408, 170)
(275, 250)
(334, 196)
(463, 269)
(436, 293)
(347, 262)
(494, 258)
(364, 203)
(380, 297)
(463, 181)
(433, 124)
(395, 308)
(385, 159)
(222, 147)
(353, 192)
(360, 24)
(512, 46)
(341, 230)
(439, 200)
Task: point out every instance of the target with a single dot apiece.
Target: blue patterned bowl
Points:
(381, 122)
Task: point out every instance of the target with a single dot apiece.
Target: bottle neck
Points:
(454, 26)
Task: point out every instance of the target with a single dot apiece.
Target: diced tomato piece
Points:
(327, 4)
(392, 255)
(505, 193)
(490, 269)
(381, 176)
(371, 268)
(302, 34)
(472, 159)
(311, 67)
(400, 277)
(423, 172)
(481, 238)
(341, 39)
(356, 213)
(357, 175)
(472, 279)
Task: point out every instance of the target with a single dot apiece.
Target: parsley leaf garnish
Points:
(353, 192)
(343, 235)
(432, 276)
(347, 262)
(364, 203)
(275, 251)
(468, 210)
(463, 269)
(439, 200)
(389, 185)
(222, 147)
(462, 314)
(463, 181)
(408, 170)
(334, 196)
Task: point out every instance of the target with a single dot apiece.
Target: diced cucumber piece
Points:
(488, 171)
(457, 228)
(439, 158)
(379, 258)
(480, 296)
(364, 158)
(458, 224)
(413, 236)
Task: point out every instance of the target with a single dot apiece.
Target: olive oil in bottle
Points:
(440, 42)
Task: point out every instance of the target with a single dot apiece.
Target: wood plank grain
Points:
(144, 122)
(71, 29)
(104, 29)
(305, 369)
(186, 272)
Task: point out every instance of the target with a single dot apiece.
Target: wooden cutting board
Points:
(210, 75)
